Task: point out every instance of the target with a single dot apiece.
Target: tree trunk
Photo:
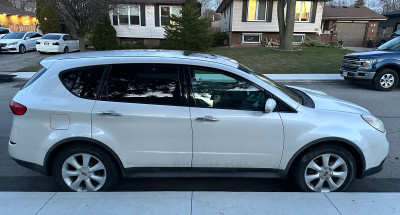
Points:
(81, 43)
(286, 26)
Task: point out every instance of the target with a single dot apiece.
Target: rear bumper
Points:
(49, 49)
(373, 170)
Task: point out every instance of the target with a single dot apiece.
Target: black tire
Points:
(111, 169)
(384, 85)
(22, 49)
(299, 171)
(66, 49)
(42, 53)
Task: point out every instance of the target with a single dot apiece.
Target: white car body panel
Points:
(161, 136)
(30, 44)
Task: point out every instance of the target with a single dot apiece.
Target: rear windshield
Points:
(51, 37)
(34, 78)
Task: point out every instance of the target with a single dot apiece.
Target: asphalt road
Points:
(385, 105)
(10, 62)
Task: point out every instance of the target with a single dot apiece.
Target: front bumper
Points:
(9, 49)
(372, 171)
(361, 76)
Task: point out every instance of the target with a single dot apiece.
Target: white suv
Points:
(91, 118)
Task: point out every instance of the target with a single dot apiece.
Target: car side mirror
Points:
(270, 105)
(27, 38)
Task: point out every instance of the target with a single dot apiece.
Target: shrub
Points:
(104, 36)
(317, 43)
(220, 38)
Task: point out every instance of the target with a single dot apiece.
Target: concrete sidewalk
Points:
(276, 77)
(201, 203)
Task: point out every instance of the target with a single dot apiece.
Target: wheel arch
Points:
(56, 148)
(392, 66)
(350, 146)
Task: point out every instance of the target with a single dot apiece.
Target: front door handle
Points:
(108, 113)
(206, 119)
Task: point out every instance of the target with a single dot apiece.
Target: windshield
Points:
(391, 45)
(14, 35)
(281, 87)
(51, 36)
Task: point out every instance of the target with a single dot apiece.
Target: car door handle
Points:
(206, 119)
(108, 113)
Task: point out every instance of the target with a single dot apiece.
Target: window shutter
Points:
(270, 5)
(157, 14)
(314, 11)
(244, 10)
(143, 14)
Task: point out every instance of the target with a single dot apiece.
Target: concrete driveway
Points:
(10, 62)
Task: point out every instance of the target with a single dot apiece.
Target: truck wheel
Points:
(386, 79)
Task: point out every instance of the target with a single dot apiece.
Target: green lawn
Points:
(34, 68)
(267, 60)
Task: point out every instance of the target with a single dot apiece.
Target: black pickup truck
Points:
(379, 67)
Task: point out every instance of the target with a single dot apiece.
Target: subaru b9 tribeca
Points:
(89, 119)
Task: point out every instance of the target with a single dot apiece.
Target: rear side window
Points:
(83, 82)
(147, 84)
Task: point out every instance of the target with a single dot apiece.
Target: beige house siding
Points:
(239, 26)
(136, 31)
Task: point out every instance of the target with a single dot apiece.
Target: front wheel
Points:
(22, 49)
(325, 169)
(386, 80)
(84, 169)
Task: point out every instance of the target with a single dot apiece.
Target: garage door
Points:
(352, 34)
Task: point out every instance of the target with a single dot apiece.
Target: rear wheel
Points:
(325, 169)
(22, 49)
(84, 169)
(386, 79)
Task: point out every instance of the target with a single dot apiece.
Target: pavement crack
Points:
(332, 203)
(191, 204)
(45, 203)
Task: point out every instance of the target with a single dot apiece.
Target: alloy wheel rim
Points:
(325, 173)
(387, 80)
(23, 49)
(84, 173)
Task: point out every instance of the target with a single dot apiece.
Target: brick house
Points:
(17, 19)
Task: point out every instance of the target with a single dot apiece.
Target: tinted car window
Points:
(51, 36)
(148, 84)
(215, 89)
(4, 31)
(83, 82)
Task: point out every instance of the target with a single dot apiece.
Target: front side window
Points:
(83, 82)
(146, 84)
(167, 11)
(257, 10)
(215, 89)
(126, 15)
(303, 11)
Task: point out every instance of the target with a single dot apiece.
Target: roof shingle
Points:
(339, 12)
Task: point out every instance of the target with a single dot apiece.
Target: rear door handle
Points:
(206, 119)
(108, 113)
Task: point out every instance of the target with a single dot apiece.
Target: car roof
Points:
(172, 54)
(56, 34)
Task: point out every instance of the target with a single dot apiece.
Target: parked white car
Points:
(4, 31)
(57, 43)
(90, 118)
(19, 41)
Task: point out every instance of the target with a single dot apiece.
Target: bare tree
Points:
(81, 15)
(286, 24)
(390, 5)
(28, 5)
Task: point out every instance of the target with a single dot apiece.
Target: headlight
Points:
(367, 63)
(14, 43)
(374, 122)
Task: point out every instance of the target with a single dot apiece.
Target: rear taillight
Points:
(17, 108)
(56, 43)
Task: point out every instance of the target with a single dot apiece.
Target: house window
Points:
(303, 11)
(298, 39)
(251, 38)
(167, 11)
(257, 10)
(126, 15)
